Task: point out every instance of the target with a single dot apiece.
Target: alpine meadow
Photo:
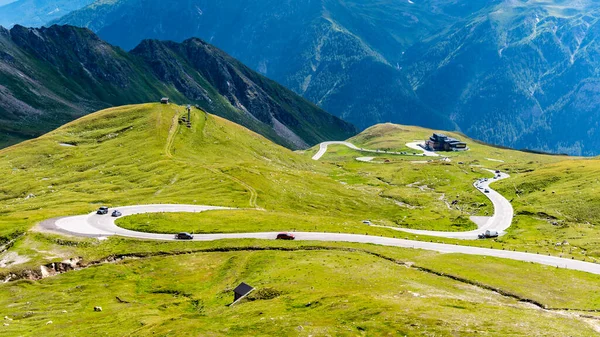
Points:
(303, 168)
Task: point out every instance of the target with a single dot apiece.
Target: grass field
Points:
(141, 155)
(553, 196)
(298, 293)
(137, 154)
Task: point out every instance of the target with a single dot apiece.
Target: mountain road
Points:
(94, 225)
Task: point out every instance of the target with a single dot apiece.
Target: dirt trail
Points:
(172, 133)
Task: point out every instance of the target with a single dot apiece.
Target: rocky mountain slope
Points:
(523, 75)
(36, 13)
(53, 75)
(509, 72)
(342, 55)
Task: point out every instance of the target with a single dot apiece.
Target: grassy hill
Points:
(553, 196)
(140, 154)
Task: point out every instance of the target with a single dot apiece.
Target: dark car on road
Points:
(488, 234)
(285, 236)
(184, 236)
(102, 210)
(116, 214)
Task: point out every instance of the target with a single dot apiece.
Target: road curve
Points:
(420, 146)
(92, 225)
(503, 210)
(323, 148)
(500, 221)
(415, 146)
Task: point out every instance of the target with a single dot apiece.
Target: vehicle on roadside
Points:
(367, 222)
(488, 234)
(497, 171)
(184, 236)
(102, 210)
(116, 214)
(487, 191)
(285, 236)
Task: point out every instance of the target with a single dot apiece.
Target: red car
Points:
(285, 236)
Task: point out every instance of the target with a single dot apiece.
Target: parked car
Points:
(367, 222)
(184, 236)
(487, 191)
(116, 214)
(488, 234)
(285, 236)
(497, 171)
(102, 210)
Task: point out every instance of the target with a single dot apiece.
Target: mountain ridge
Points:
(53, 75)
(322, 50)
(511, 73)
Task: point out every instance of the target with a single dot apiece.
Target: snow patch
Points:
(365, 159)
(54, 11)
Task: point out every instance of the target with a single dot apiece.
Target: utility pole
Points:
(189, 119)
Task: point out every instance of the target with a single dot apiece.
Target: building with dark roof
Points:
(441, 142)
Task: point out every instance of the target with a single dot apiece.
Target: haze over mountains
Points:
(36, 13)
(516, 73)
(50, 76)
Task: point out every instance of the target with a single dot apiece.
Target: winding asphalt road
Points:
(93, 225)
(414, 145)
(499, 222)
(420, 146)
(503, 210)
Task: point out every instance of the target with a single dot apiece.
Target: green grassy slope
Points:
(298, 293)
(558, 203)
(140, 154)
(553, 196)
